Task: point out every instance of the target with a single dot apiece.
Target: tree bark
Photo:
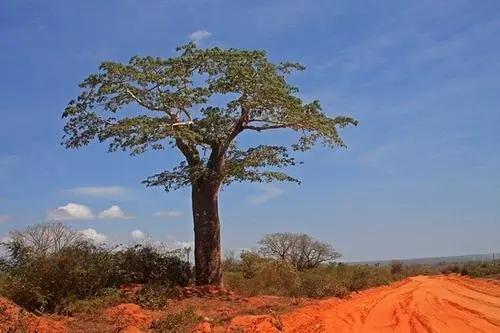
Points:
(207, 249)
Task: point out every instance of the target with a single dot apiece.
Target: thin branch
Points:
(187, 115)
(264, 121)
(265, 126)
(182, 123)
(262, 128)
(140, 102)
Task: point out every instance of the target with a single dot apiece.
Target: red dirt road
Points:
(444, 304)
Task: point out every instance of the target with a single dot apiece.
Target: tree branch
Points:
(191, 154)
(275, 125)
(182, 123)
(140, 102)
(216, 160)
(262, 128)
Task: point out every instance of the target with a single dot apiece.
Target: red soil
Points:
(444, 304)
(15, 319)
(130, 318)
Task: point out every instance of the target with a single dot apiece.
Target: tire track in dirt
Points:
(444, 304)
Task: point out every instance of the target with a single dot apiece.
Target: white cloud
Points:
(93, 235)
(170, 214)
(113, 213)
(71, 211)
(99, 191)
(268, 193)
(199, 35)
(138, 235)
(4, 218)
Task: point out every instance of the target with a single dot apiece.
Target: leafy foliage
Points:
(43, 282)
(154, 296)
(256, 274)
(181, 322)
(144, 264)
(55, 280)
(199, 102)
(106, 298)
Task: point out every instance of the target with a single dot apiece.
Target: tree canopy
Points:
(199, 102)
(301, 250)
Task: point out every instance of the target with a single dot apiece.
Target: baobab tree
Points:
(199, 102)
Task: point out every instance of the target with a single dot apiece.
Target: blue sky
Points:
(420, 176)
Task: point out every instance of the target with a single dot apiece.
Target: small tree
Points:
(199, 102)
(300, 250)
(42, 239)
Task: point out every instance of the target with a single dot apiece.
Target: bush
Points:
(477, 269)
(276, 278)
(268, 277)
(453, 268)
(320, 282)
(230, 263)
(359, 277)
(235, 281)
(147, 265)
(182, 322)
(54, 280)
(281, 278)
(106, 298)
(396, 267)
(250, 263)
(153, 296)
(44, 282)
(420, 269)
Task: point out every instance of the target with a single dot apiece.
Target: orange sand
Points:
(15, 319)
(444, 304)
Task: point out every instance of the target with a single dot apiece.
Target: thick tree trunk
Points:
(207, 250)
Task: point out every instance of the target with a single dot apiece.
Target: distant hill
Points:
(433, 260)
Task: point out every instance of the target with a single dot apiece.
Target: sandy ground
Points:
(444, 304)
(421, 304)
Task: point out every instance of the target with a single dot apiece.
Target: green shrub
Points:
(153, 296)
(270, 278)
(147, 265)
(478, 269)
(3, 283)
(250, 263)
(275, 278)
(235, 281)
(54, 281)
(419, 269)
(230, 263)
(320, 282)
(452, 268)
(396, 268)
(182, 322)
(44, 282)
(106, 298)
(359, 277)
